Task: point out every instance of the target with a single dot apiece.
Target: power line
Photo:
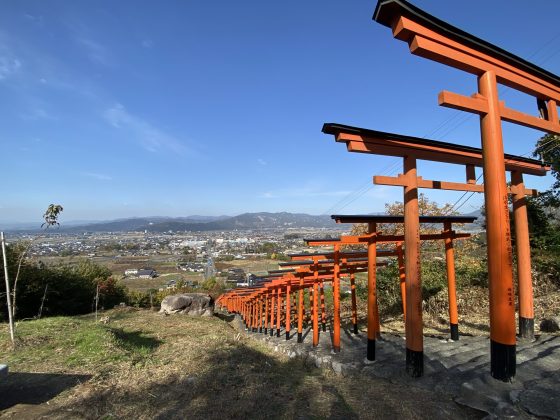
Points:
(352, 197)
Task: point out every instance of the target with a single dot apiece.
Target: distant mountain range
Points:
(245, 221)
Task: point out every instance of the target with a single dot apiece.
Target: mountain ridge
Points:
(199, 223)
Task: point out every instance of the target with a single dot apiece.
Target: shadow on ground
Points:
(242, 382)
(224, 317)
(135, 340)
(35, 388)
(234, 383)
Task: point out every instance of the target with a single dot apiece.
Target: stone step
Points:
(485, 393)
(445, 349)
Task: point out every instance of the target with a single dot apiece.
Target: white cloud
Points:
(8, 66)
(147, 43)
(100, 177)
(261, 162)
(97, 53)
(150, 138)
(37, 114)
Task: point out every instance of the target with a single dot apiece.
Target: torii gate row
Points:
(305, 279)
(300, 278)
(352, 256)
(371, 239)
(309, 258)
(249, 301)
(234, 299)
(410, 148)
(437, 40)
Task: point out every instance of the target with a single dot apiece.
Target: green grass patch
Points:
(77, 343)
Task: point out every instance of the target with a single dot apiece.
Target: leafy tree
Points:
(51, 215)
(548, 150)
(425, 208)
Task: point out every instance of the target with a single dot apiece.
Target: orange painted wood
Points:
(336, 301)
(413, 324)
(523, 250)
(429, 44)
(402, 277)
(500, 273)
(354, 303)
(372, 313)
(450, 269)
(315, 315)
(372, 145)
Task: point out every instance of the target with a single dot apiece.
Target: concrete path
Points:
(461, 368)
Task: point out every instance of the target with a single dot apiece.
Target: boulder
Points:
(550, 324)
(195, 304)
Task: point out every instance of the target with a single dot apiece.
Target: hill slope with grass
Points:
(145, 365)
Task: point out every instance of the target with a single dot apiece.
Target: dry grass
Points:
(145, 365)
(473, 308)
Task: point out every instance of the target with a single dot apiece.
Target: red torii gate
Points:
(435, 39)
(413, 316)
(303, 258)
(410, 149)
(244, 300)
(353, 265)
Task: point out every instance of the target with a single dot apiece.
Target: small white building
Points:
(131, 272)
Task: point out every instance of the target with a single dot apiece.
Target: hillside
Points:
(145, 365)
(244, 221)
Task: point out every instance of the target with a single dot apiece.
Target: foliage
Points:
(548, 150)
(70, 288)
(51, 215)
(268, 248)
(546, 264)
(469, 272)
(425, 208)
(213, 286)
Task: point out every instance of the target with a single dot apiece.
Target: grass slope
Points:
(144, 365)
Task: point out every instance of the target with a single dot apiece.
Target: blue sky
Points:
(117, 109)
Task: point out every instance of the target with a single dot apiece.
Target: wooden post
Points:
(372, 293)
(272, 307)
(323, 311)
(414, 326)
(500, 273)
(451, 286)
(336, 300)
(266, 312)
(402, 277)
(8, 297)
(300, 312)
(260, 314)
(279, 313)
(288, 310)
(255, 315)
(315, 313)
(354, 306)
(523, 250)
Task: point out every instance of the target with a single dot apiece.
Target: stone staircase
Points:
(458, 368)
